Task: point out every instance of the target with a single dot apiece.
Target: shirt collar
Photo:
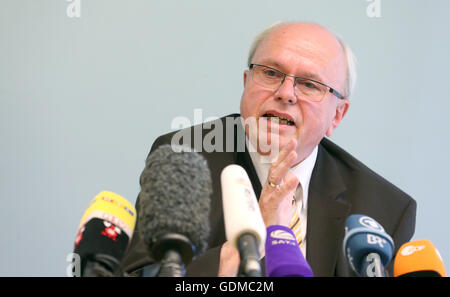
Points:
(302, 171)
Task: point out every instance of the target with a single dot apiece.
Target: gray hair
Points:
(349, 55)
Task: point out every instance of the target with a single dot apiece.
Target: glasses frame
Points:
(330, 89)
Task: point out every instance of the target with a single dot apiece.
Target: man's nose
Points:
(286, 91)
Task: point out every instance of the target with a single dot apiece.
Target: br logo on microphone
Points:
(370, 223)
(374, 239)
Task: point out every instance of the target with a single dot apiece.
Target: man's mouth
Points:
(279, 119)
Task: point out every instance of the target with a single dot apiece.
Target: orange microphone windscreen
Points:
(419, 258)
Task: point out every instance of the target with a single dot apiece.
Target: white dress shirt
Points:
(302, 171)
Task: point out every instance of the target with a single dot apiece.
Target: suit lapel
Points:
(243, 159)
(327, 210)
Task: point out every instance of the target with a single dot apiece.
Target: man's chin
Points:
(269, 147)
(266, 143)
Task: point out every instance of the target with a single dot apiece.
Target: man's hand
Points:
(275, 204)
(229, 261)
(275, 201)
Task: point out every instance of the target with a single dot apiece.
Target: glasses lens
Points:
(310, 89)
(267, 77)
(272, 78)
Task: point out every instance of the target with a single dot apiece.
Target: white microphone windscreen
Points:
(240, 206)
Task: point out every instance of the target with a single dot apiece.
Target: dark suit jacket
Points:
(340, 185)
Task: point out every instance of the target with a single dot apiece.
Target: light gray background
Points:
(83, 99)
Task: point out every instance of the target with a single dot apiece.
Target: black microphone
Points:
(103, 235)
(174, 204)
(367, 247)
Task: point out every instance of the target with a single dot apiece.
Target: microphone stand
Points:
(100, 265)
(174, 251)
(249, 254)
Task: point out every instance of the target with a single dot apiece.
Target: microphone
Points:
(104, 233)
(419, 258)
(367, 247)
(244, 225)
(174, 204)
(283, 255)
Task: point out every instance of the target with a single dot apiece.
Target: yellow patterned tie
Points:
(295, 221)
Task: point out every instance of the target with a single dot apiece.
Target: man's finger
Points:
(283, 163)
(290, 146)
(278, 172)
(287, 189)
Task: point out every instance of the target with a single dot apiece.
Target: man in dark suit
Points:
(296, 92)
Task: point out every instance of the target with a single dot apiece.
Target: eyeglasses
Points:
(306, 88)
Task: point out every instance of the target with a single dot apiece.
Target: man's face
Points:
(305, 50)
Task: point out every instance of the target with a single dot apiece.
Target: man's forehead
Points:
(305, 31)
(308, 38)
(311, 47)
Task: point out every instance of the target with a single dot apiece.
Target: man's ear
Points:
(245, 77)
(341, 110)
